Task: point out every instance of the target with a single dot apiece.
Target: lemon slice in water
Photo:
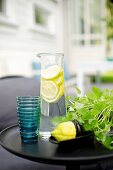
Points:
(59, 79)
(52, 83)
(51, 72)
(49, 90)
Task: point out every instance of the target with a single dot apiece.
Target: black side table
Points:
(49, 153)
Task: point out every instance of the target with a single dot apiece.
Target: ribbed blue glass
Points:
(28, 110)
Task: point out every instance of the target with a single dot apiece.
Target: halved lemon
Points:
(64, 131)
(49, 90)
(51, 72)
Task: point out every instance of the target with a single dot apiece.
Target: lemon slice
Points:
(59, 79)
(60, 93)
(49, 90)
(51, 72)
(57, 97)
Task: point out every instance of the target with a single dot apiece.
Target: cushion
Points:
(10, 88)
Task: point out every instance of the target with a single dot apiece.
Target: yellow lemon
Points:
(64, 131)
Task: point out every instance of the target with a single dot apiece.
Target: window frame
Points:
(48, 29)
(87, 36)
(5, 19)
(43, 11)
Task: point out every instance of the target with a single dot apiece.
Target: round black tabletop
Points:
(50, 153)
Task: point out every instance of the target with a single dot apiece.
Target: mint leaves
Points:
(94, 111)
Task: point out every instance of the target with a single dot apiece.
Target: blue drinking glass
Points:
(28, 111)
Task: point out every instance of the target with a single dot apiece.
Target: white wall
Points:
(21, 39)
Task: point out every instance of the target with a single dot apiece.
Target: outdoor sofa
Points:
(10, 88)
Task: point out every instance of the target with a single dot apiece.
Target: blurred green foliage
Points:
(106, 77)
(109, 23)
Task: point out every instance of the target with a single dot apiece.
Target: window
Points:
(95, 16)
(44, 18)
(2, 6)
(41, 16)
(86, 21)
(7, 15)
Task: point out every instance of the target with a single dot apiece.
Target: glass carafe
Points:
(52, 91)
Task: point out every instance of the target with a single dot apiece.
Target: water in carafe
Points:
(52, 91)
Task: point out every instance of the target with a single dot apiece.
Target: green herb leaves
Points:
(94, 111)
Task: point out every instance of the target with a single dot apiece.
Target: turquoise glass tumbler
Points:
(28, 111)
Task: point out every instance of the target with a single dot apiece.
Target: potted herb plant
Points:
(94, 112)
